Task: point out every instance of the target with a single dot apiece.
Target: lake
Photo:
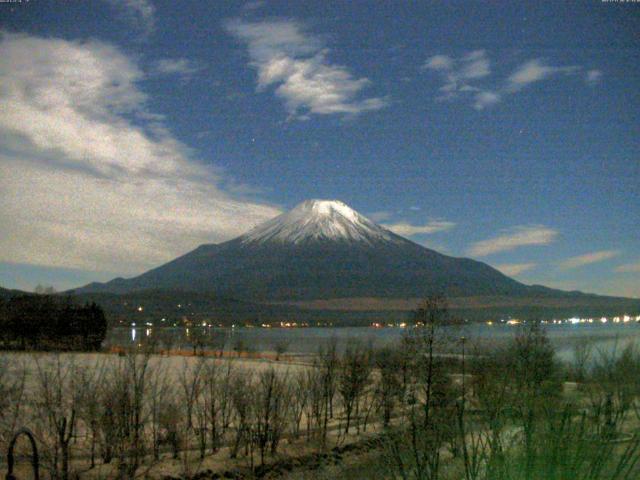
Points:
(607, 338)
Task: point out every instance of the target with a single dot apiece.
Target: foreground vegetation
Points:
(409, 412)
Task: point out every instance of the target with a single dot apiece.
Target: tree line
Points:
(50, 322)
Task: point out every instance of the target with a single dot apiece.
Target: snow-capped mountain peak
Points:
(319, 220)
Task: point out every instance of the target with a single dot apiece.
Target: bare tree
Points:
(166, 338)
(201, 412)
(241, 392)
(316, 407)
(328, 355)
(107, 422)
(126, 393)
(90, 383)
(269, 411)
(415, 449)
(353, 377)
(170, 420)
(158, 394)
(212, 401)
(388, 391)
(58, 403)
(226, 401)
(300, 392)
(199, 339)
(217, 403)
(13, 374)
(190, 381)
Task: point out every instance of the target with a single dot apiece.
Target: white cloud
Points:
(485, 99)
(175, 66)
(593, 77)
(513, 238)
(297, 64)
(88, 180)
(141, 13)
(406, 229)
(588, 258)
(439, 62)
(474, 65)
(629, 268)
(461, 75)
(534, 71)
(513, 269)
(458, 72)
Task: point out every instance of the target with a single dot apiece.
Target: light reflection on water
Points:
(603, 338)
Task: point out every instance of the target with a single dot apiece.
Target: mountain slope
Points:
(320, 249)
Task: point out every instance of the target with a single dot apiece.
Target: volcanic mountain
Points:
(319, 250)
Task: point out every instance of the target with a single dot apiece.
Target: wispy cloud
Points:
(534, 71)
(466, 78)
(297, 63)
(175, 66)
(512, 238)
(140, 13)
(587, 259)
(442, 63)
(407, 229)
(485, 99)
(458, 73)
(593, 77)
(380, 216)
(90, 177)
(629, 268)
(253, 5)
(513, 269)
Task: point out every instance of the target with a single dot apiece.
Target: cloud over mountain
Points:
(588, 258)
(512, 238)
(91, 178)
(513, 269)
(407, 229)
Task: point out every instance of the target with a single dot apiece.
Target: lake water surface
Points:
(605, 338)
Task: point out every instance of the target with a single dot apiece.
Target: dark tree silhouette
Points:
(46, 322)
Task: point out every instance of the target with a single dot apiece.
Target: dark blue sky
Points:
(504, 131)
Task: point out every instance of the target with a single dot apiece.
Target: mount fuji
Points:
(319, 250)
